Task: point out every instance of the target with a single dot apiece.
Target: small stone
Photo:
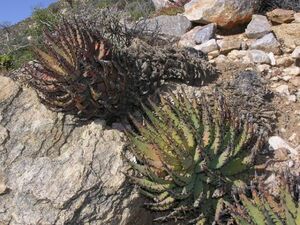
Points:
(268, 43)
(277, 142)
(237, 54)
(214, 54)
(221, 59)
(208, 46)
(272, 58)
(296, 53)
(281, 154)
(297, 17)
(206, 33)
(292, 98)
(293, 137)
(285, 61)
(263, 68)
(280, 16)
(293, 71)
(291, 163)
(283, 90)
(286, 50)
(258, 27)
(228, 45)
(275, 79)
(270, 180)
(286, 78)
(258, 56)
(188, 39)
(295, 81)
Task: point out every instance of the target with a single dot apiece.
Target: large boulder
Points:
(225, 13)
(55, 171)
(174, 26)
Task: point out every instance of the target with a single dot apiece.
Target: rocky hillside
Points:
(56, 169)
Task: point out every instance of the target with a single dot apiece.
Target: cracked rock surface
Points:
(53, 171)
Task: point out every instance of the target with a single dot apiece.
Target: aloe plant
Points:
(264, 209)
(190, 154)
(84, 72)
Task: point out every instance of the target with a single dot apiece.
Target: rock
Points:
(281, 154)
(213, 54)
(159, 4)
(258, 56)
(221, 12)
(3, 187)
(268, 43)
(263, 68)
(283, 90)
(188, 39)
(272, 58)
(237, 54)
(292, 98)
(288, 34)
(59, 172)
(227, 45)
(258, 27)
(295, 81)
(296, 53)
(286, 78)
(277, 143)
(206, 33)
(174, 26)
(208, 46)
(221, 59)
(281, 16)
(293, 71)
(285, 61)
(297, 17)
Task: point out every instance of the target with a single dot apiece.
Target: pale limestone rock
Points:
(296, 53)
(267, 43)
(56, 171)
(288, 34)
(258, 27)
(258, 56)
(174, 26)
(208, 46)
(281, 16)
(225, 13)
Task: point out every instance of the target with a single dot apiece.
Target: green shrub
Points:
(22, 56)
(6, 62)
